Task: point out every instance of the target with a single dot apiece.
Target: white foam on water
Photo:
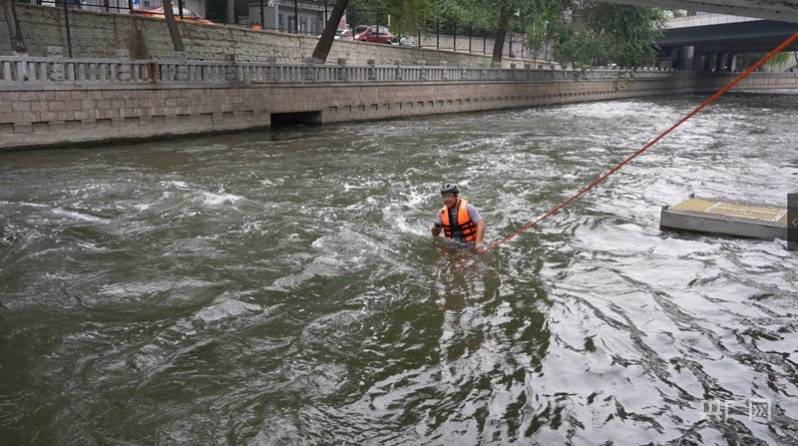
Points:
(274, 182)
(79, 216)
(395, 213)
(215, 199)
(226, 309)
(182, 185)
(173, 286)
(90, 246)
(401, 223)
(23, 203)
(348, 187)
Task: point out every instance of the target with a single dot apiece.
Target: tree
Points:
(600, 33)
(14, 30)
(325, 42)
(501, 32)
(406, 16)
(174, 31)
(535, 14)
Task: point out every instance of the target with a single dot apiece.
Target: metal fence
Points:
(306, 17)
(17, 71)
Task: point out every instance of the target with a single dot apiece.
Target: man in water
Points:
(459, 219)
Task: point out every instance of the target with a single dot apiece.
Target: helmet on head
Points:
(449, 188)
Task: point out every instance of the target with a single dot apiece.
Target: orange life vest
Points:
(463, 225)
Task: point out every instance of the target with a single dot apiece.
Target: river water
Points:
(282, 287)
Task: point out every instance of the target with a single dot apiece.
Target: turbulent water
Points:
(283, 288)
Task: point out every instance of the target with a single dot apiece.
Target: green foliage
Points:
(583, 33)
(579, 47)
(601, 33)
(407, 16)
(780, 59)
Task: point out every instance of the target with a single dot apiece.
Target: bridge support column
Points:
(709, 61)
(698, 61)
(674, 56)
(685, 58)
(723, 62)
(733, 63)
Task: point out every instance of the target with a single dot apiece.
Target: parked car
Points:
(370, 34)
(343, 34)
(406, 41)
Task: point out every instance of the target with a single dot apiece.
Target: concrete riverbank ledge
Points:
(727, 217)
(59, 101)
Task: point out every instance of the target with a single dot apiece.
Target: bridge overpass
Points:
(713, 41)
(779, 10)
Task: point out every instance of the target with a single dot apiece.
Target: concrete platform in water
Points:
(726, 217)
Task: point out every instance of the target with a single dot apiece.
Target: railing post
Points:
(309, 71)
(181, 68)
(272, 61)
(398, 70)
(340, 71)
(154, 69)
(21, 70)
(445, 71)
(123, 71)
(56, 68)
(371, 72)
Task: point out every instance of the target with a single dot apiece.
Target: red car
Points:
(370, 35)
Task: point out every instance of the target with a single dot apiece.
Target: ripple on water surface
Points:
(281, 287)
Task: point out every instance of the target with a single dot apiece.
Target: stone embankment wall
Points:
(65, 114)
(101, 35)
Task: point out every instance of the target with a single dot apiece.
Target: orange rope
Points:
(617, 167)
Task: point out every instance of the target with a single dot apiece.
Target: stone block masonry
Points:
(100, 35)
(64, 114)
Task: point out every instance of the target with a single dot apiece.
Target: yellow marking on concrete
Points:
(726, 217)
(695, 205)
(754, 212)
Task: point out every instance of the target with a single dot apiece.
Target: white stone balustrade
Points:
(55, 69)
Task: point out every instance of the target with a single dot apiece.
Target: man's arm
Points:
(436, 229)
(473, 213)
(480, 234)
